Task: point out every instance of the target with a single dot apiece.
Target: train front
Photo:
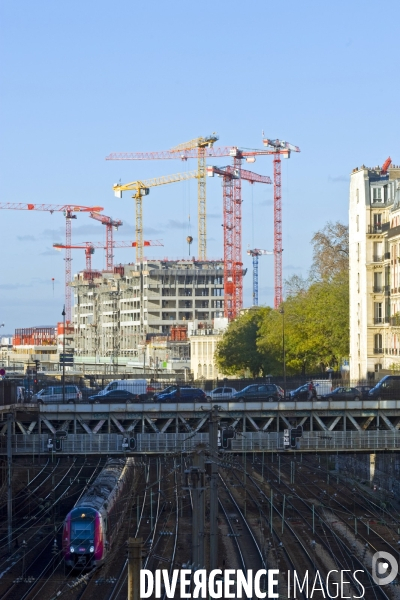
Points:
(83, 543)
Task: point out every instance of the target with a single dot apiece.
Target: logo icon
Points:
(384, 568)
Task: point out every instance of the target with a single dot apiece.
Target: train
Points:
(91, 527)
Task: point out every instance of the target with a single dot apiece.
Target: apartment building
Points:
(374, 261)
(114, 313)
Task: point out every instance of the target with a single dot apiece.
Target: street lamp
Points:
(282, 312)
(63, 369)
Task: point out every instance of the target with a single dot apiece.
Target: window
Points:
(358, 222)
(378, 314)
(378, 281)
(377, 194)
(358, 252)
(358, 195)
(377, 221)
(378, 342)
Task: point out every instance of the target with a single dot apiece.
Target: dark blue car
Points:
(183, 395)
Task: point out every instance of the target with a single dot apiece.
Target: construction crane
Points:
(238, 154)
(232, 212)
(200, 144)
(255, 253)
(110, 225)
(140, 189)
(89, 248)
(68, 210)
(278, 148)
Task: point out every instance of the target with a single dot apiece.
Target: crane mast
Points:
(201, 144)
(278, 148)
(256, 253)
(232, 211)
(110, 224)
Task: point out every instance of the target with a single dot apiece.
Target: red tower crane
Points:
(232, 190)
(278, 148)
(110, 224)
(232, 210)
(68, 210)
(89, 248)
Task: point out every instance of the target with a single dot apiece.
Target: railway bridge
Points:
(338, 426)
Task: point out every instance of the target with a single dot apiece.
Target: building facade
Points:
(374, 265)
(114, 314)
(204, 338)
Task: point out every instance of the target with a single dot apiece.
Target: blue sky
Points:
(82, 79)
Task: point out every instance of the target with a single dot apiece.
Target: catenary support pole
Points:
(10, 418)
(213, 443)
(134, 566)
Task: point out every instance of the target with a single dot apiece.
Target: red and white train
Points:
(92, 525)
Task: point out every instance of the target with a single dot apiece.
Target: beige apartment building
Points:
(374, 263)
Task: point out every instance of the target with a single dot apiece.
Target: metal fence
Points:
(113, 443)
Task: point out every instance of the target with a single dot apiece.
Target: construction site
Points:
(141, 314)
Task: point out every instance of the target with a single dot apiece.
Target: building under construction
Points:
(116, 313)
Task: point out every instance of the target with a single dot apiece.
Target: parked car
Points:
(301, 393)
(153, 389)
(364, 390)
(264, 391)
(388, 388)
(55, 394)
(183, 395)
(343, 393)
(167, 390)
(221, 393)
(114, 396)
(137, 387)
(87, 392)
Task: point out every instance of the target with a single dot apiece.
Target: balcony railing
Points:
(378, 320)
(378, 350)
(377, 258)
(375, 228)
(378, 289)
(395, 321)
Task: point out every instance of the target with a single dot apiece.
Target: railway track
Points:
(332, 549)
(45, 555)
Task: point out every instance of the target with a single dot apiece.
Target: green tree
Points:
(237, 352)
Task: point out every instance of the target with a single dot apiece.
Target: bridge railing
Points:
(185, 442)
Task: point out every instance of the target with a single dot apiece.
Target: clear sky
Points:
(82, 79)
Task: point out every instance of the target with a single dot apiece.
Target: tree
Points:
(237, 352)
(330, 251)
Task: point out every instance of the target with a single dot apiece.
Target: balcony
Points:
(378, 351)
(375, 229)
(377, 289)
(395, 321)
(377, 258)
(378, 320)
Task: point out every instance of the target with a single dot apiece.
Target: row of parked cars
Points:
(130, 391)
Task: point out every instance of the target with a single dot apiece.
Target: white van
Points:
(55, 394)
(322, 386)
(134, 386)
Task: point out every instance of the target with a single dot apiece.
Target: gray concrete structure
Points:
(114, 313)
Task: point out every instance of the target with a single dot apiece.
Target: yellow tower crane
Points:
(140, 189)
(201, 143)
